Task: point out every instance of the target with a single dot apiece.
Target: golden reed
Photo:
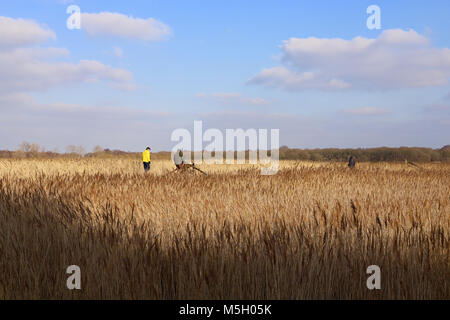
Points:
(308, 232)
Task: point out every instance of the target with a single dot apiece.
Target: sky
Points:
(137, 70)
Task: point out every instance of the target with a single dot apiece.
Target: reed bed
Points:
(308, 232)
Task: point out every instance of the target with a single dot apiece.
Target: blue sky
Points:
(309, 68)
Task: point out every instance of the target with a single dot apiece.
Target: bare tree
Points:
(30, 148)
(98, 149)
(78, 150)
(35, 148)
(25, 147)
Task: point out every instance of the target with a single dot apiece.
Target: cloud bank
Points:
(27, 67)
(123, 26)
(21, 32)
(396, 59)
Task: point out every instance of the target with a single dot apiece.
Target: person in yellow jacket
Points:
(146, 159)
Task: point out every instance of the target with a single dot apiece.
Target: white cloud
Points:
(366, 111)
(396, 59)
(29, 68)
(233, 98)
(21, 32)
(123, 26)
(25, 67)
(291, 80)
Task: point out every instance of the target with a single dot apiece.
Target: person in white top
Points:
(178, 159)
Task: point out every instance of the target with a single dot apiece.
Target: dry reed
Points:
(308, 232)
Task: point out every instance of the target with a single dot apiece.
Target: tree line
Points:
(368, 155)
(33, 150)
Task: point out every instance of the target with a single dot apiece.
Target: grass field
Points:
(308, 232)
